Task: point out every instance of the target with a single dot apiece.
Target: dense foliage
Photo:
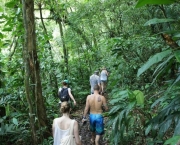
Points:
(137, 41)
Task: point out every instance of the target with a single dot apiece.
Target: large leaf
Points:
(115, 109)
(153, 60)
(10, 4)
(141, 3)
(177, 80)
(156, 21)
(139, 97)
(176, 35)
(165, 126)
(177, 129)
(148, 129)
(172, 141)
(177, 55)
(1, 35)
(163, 64)
(15, 121)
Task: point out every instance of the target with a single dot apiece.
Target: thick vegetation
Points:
(137, 41)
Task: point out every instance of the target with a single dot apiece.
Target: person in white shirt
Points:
(61, 126)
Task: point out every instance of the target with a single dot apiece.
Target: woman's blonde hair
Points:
(65, 107)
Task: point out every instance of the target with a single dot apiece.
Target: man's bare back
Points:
(96, 102)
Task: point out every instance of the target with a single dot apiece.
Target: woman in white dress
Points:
(61, 126)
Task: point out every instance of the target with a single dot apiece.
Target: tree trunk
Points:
(65, 50)
(33, 86)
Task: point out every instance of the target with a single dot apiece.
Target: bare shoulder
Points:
(75, 123)
(89, 96)
(102, 97)
(55, 119)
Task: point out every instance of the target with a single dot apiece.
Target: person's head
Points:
(65, 82)
(103, 68)
(96, 72)
(96, 88)
(65, 107)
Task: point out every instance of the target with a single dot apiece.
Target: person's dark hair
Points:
(96, 87)
(65, 107)
(96, 72)
(64, 83)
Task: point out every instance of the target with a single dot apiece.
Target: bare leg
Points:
(97, 139)
(102, 87)
(93, 137)
(105, 83)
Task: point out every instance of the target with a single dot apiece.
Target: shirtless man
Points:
(95, 102)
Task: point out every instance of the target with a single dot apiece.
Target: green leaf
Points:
(1, 35)
(2, 22)
(177, 55)
(172, 141)
(7, 29)
(165, 126)
(176, 81)
(176, 35)
(115, 109)
(7, 110)
(15, 121)
(156, 21)
(153, 60)
(1, 9)
(10, 4)
(141, 3)
(139, 96)
(177, 129)
(148, 129)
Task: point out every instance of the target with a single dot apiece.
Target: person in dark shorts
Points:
(95, 102)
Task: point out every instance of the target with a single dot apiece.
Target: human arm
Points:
(53, 128)
(105, 104)
(71, 96)
(76, 133)
(106, 72)
(90, 80)
(86, 109)
(59, 91)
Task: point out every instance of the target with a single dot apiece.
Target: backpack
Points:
(64, 95)
(69, 139)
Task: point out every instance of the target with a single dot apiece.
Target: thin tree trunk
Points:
(27, 76)
(32, 71)
(65, 51)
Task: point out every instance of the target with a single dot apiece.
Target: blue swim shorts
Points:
(96, 123)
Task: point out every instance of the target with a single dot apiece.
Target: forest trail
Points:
(84, 131)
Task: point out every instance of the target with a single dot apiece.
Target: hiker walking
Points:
(94, 80)
(64, 92)
(65, 130)
(103, 79)
(95, 102)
